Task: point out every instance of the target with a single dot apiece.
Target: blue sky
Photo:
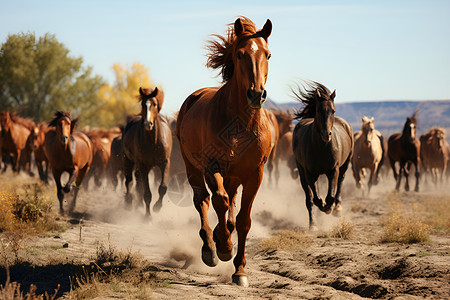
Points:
(366, 50)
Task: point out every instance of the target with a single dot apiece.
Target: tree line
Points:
(39, 76)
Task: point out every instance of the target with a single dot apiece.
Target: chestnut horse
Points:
(39, 153)
(405, 148)
(273, 158)
(146, 143)
(225, 139)
(368, 153)
(322, 144)
(67, 151)
(434, 153)
(15, 133)
(284, 147)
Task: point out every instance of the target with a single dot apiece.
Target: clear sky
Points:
(366, 50)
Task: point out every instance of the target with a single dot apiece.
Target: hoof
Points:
(225, 256)
(157, 206)
(407, 188)
(66, 189)
(337, 211)
(209, 257)
(241, 280)
(313, 228)
(416, 189)
(318, 202)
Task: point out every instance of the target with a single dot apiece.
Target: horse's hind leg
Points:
(221, 205)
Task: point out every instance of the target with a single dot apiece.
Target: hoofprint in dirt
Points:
(328, 269)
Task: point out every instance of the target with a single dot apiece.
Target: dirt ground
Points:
(329, 268)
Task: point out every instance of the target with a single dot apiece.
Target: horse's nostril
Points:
(264, 94)
(249, 94)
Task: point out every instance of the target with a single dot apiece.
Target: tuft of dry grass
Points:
(437, 212)
(11, 291)
(342, 230)
(404, 223)
(289, 240)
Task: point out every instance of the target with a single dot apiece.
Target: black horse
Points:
(322, 144)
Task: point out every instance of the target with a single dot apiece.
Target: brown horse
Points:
(67, 151)
(225, 139)
(39, 152)
(368, 153)
(273, 158)
(15, 133)
(405, 148)
(146, 143)
(284, 148)
(434, 153)
(322, 144)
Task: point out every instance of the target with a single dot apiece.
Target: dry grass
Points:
(437, 212)
(342, 230)
(404, 224)
(289, 240)
(12, 292)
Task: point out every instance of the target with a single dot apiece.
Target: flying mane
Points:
(308, 97)
(220, 54)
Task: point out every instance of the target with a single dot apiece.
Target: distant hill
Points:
(390, 116)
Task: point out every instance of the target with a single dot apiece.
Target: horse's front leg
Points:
(143, 178)
(308, 198)
(221, 205)
(231, 187)
(399, 175)
(342, 170)
(59, 191)
(73, 173)
(373, 176)
(332, 183)
(16, 166)
(128, 166)
(165, 167)
(406, 173)
(417, 174)
(80, 175)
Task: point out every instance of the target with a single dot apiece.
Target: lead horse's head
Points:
(367, 128)
(64, 126)
(151, 103)
(244, 55)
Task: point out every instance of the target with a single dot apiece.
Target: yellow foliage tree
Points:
(121, 99)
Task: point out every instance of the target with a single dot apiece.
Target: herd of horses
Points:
(220, 139)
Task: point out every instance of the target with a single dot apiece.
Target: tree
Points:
(121, 99)
(37, 77)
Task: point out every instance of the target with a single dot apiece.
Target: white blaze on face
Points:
(412, 129)
(148, 104)
(254, 47)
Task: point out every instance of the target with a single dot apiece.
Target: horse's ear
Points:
(238, 27)
(73, 125)
(141, 91)
(372, 119)
(155, 92)
(267, 29)
(364, 119)
(333, 95)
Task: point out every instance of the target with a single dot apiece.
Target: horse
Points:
(284, 147)
(225, 139)
(322, 144)
(368, 153)
(405, 148)
(67, 151)
(15, 133)
(434, 153)
(39, 153)
(146, 143)
(273, 158)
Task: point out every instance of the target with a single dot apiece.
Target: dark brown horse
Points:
(67, 151)
(15, 133)
(225, 139)
(322, 144)
(405, 148)
(147, 143)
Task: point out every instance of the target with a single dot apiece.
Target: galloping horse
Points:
(225, 139)
(146, 143)
(434, 153)
(284, 147)
(405, 148)
(322, 144)
(39, 153)
(368, 153)
(67, 151)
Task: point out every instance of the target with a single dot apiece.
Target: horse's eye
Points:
(240, 55)
(269, 56)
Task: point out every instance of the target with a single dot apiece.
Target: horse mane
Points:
(220, 50)
(436, 130)
(308, 96)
